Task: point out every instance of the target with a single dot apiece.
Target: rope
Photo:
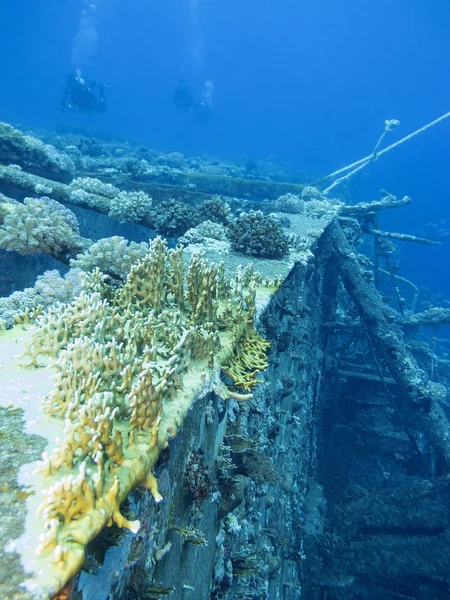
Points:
(363, 162)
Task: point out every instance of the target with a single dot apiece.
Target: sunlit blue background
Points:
(308, 83)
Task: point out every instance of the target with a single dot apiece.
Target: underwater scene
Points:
(224, 300)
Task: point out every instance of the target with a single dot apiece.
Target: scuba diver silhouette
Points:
(83, 96)
(201, 110)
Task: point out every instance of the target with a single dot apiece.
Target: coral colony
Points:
(128, 363)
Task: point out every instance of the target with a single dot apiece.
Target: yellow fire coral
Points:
(129, 362)
(248, 359)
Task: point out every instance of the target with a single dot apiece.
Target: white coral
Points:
(206, 229)
(290, 203)
(94, 186)
(40, 225)
(52, 288)
(113, 255)
(310, 192)
(16, 303)
(130, 207)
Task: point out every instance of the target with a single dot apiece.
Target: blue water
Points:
(309, 84)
